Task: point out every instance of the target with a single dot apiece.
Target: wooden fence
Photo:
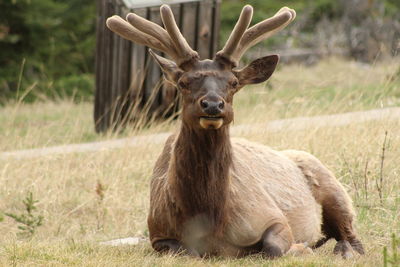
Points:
(128, 82)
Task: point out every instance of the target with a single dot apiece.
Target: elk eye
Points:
(234, 84)
(182, 85)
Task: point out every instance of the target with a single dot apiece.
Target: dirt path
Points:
(299, 123)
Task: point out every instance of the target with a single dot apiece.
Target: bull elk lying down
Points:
(213, 195)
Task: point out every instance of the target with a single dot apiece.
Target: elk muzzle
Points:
(212, 109)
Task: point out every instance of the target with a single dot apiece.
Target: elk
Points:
(213, 195)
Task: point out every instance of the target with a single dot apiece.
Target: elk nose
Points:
(211, 107)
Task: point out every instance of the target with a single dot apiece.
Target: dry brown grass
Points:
(77, 218)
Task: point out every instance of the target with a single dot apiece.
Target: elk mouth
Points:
(211, 122)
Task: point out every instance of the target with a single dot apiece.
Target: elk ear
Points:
(257, 71)
(171, 71)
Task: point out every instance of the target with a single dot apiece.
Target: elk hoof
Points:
(344, 248)
(357, 246)
(175, 247)
(192, 253)
(272, 251)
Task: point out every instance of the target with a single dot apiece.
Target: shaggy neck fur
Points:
(202, 161)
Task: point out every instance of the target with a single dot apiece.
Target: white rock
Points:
(123, 241)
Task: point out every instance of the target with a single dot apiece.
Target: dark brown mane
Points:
(202, 164)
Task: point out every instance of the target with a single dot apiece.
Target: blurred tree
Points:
(54, 38)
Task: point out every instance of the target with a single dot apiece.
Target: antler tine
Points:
(265, 29)
(237, 33)
(169, 40)
(127, 31)
(154, 30)
(255, 34)
(181, 45)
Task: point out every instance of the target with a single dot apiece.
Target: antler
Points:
(142, 31)
(242, 38)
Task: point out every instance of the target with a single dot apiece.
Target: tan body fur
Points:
(266, 187)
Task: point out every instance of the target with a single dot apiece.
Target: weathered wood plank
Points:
(137, 74)
(113, 92)
(216, 27)
(106, 69)
(121, 67)
(205, 24)
(111, 63)
(153, 77)
(125, 79)
(117, 95)
(188, 27)
(98, 107)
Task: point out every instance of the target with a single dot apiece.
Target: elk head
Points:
(207, 86)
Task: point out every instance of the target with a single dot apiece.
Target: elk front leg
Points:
(173, 246)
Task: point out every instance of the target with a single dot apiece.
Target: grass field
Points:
(91, 197)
